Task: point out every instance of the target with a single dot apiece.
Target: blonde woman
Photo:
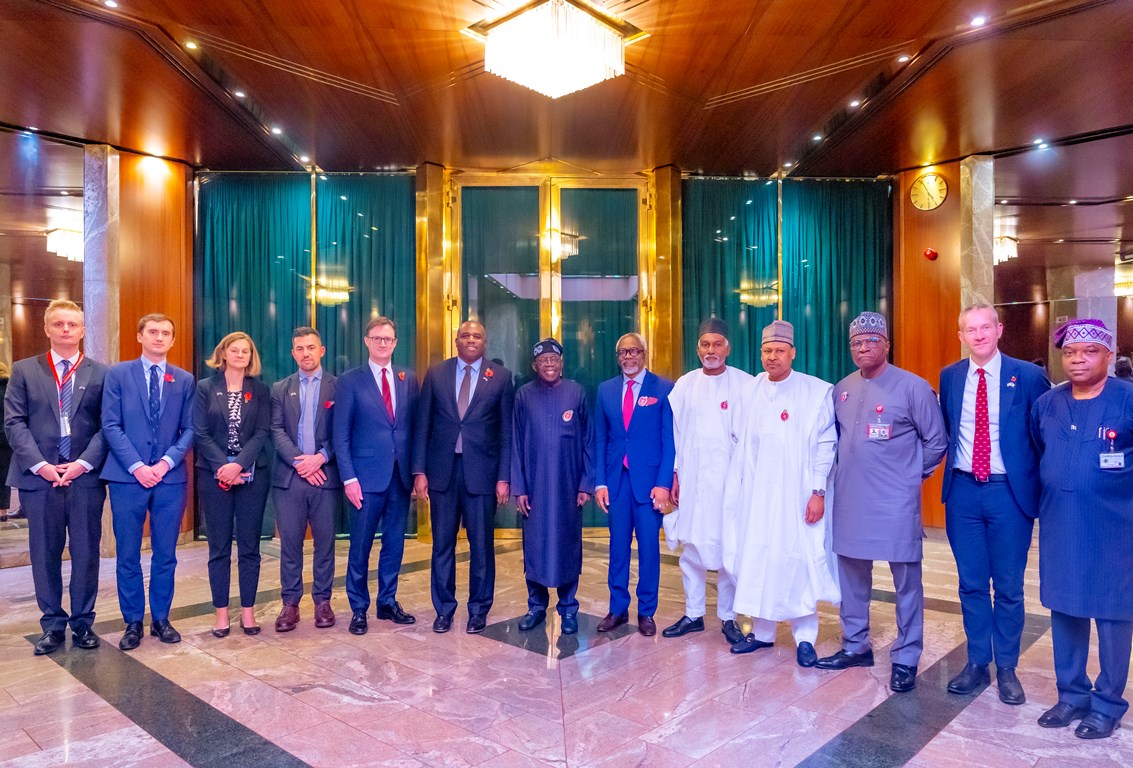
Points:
(231, 421)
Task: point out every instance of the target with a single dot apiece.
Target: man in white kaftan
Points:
(776, 540)
(703, 403)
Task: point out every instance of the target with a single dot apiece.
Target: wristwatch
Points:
(820, 494)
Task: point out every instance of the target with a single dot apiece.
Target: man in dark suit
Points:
(462, 464)
(305, 478)
(53, 417)
(991, 489)
(633, 460)
(147, 421)
(373, 427)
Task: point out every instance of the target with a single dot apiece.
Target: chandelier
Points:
(555, 47)
(1004, 249)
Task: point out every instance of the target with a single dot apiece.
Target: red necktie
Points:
(386, 397)
(981, 445)
(627, 412)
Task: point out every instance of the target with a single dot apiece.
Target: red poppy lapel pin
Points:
(247, 397)
(169, 378)
(328, 404)
(489, 373)
(1012, 382)
(724, 405)
(643, 400)
(401, 375)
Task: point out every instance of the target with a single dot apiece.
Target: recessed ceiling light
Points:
(1036, 142)
(276, 130)
(304, 159)
(110, 4)
(1071, 202)
(788, 164)
(32, 128)
(816, 137)
(979, 21)
(191, 45)
(1044, 145)
(903, 59)
(1003, 202)
(855, 103)
(64, 192)
(238, 94)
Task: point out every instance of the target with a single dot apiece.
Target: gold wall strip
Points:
(661, 243)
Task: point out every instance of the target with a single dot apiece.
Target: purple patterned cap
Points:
(1083, 330)
(869, 322)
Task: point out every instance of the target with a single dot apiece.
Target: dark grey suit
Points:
(31, 421)
(297, 502)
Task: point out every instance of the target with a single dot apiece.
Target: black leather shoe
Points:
(476, 624)
(646, 626)
(612, 622)
(84, 637)
(358, 623)
(1096, 726)
(971, 678)
(394, 613)
(132, 637)
(805, 655)
(683, 626)
(532, 620)
(252, 630)
(442, 624)
(221, 632)
(570, 624)
(165, 632)
(732, 633)
(1010, 689)
(749, 644)
(1061, 715)
(845, 660)
(51, 641)
(902, 678)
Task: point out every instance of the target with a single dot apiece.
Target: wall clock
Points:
(928, 191)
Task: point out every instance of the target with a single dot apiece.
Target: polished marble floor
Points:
(404, 696)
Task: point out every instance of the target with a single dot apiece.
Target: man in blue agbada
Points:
(550, 477)
(1084, 430)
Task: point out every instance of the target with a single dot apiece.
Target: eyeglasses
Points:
(631, 352)
(382, 341)
(869, 343)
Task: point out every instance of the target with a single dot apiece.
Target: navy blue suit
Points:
(989, 524)
(133, 439)
(647, 447)
(31, 421)
(375, 450)
(463, 486)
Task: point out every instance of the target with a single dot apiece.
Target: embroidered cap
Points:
(781, 331)
(1083, 330)
(869, 322)
(546, 345)
(713, 325)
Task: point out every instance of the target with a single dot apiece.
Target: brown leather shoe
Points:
(646, 626)
(288, 618)
(324, 616)
(612, 622)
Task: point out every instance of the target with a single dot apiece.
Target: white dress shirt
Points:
(992, 373)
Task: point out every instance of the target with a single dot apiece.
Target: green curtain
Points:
(837, 262)
(366, 239)
(729, 267)
(252, 246)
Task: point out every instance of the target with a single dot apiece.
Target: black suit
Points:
(242, 504)
(464, 486)
(297, 502)
(31, 422)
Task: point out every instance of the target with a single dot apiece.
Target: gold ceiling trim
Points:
(628, 32)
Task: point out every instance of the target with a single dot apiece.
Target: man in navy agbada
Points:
(550, 478)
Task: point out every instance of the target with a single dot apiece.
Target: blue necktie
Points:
(307, 417)
(154, 407)
(66, 395)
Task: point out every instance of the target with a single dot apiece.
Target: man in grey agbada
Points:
(890, 437)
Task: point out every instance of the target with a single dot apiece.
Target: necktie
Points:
(154, 408)
(462, 403)
(307, 417)
(627, 413)
(981, 445)
(387, 398)
(66, 394)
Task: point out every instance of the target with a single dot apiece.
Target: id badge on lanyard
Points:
(878, 430)
(1110, 459)
(64, 417)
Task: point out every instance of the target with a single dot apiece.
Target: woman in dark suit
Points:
(231, 424)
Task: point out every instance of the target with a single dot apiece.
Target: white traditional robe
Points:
(783, 566)
(704, 410)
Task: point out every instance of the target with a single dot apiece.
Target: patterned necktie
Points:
(627, 413)
(387, 398)
(462, 403)
(154, 408)
(66, 395)
(981, 445)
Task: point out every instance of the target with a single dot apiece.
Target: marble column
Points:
(100, 272)
(1063, 299)
(977, 230)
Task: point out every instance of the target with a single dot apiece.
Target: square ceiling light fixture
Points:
(555, 47)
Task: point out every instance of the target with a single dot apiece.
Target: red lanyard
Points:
(66, 377)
